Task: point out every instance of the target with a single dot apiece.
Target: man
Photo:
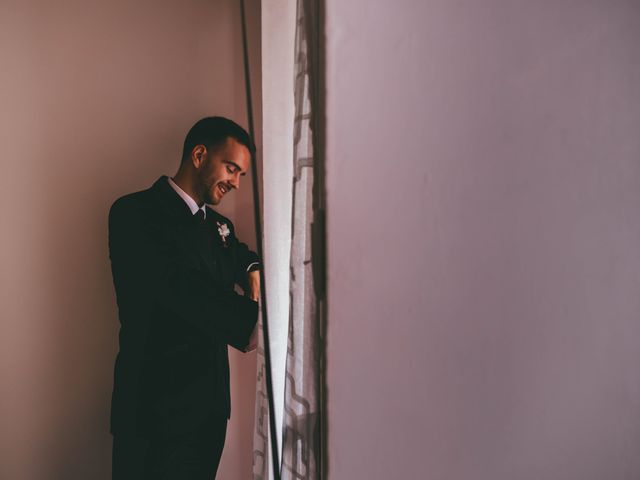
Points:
(175, 262)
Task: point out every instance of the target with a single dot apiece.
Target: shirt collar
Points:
(191, 203)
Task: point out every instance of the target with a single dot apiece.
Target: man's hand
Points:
(253, 291)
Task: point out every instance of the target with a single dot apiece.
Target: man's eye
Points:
(229, 169)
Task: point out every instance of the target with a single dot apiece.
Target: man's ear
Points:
(198, 155)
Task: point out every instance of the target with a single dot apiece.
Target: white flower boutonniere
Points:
(224, 232)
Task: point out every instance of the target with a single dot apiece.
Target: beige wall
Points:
(96, 98)
(483, 184)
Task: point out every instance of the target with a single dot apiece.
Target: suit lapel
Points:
(205, 250)
(203, 241)
(220, 251)
(195, 238)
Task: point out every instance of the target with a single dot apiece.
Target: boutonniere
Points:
(224, 232)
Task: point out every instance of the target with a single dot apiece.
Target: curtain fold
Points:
(301, 422)
(261, 450)
(302, 369)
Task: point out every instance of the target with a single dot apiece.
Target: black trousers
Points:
(186, 456)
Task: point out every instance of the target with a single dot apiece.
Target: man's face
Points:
(222, 169)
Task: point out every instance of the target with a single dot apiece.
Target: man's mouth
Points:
(223, 188)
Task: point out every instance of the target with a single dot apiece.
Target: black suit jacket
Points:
(174, 280)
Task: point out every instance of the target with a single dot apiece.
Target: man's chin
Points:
(212, 199)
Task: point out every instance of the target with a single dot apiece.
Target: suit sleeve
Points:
(246, 260)
(149, 271)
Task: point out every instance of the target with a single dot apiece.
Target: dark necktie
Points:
(199, 217)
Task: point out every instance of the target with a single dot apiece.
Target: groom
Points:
(175, 263)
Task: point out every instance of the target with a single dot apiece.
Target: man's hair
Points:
(212, 132)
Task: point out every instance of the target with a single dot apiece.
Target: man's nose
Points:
(235, 181)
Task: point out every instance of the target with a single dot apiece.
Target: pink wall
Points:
(483, 182)
(96, 98)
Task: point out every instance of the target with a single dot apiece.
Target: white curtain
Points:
(278, 38)
(301, 436)
(302, 372)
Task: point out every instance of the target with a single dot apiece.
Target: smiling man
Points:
(175, 262)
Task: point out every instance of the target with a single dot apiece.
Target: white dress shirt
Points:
(191, 203)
